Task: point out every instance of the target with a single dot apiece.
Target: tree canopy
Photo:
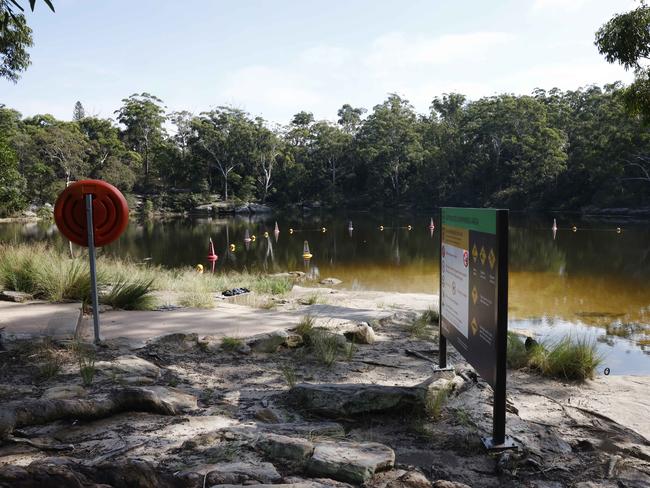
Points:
(552, 149)
(625, 39)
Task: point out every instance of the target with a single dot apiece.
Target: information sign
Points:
(474, 296)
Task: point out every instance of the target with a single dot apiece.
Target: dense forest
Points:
(550, 150)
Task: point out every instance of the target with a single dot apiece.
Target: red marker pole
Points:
(93, 270)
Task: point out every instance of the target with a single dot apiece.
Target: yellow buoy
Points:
(323, 230)
(574, 229)
(618, 230)
(381, 228)
(232, 247)
(266, 235)
(290, 231)
(305, 251)
(253, 238)
(199, 268)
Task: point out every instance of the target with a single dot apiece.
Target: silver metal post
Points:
(93, 273)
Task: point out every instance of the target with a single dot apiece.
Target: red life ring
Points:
(110, 212)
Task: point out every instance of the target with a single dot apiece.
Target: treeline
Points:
(550, 150)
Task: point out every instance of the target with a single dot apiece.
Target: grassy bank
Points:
(50, 274)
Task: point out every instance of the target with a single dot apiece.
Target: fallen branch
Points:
(44, 446)
(417, 354)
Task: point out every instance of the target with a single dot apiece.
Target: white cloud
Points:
(565, 5)
(564, 76)
(396, 50)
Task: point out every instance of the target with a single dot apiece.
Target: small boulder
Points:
(129, 366)
(267, 415)
(399, 478)
(330, 281)
(361, 334)
(179, 341)
(350, 461)
(449, 484)
(268, 342)
(15, 296)
(279, 447)
(240, 473)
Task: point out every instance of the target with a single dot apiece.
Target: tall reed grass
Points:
(50, 274)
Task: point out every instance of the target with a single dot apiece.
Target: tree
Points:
(78, 113)
(391, 145)
(64, 147)
(12, 183)
(107, 156)
(225, 138)
(350, 118)
(15, 38)
(267, 150)
(143, 116)
(625, 39)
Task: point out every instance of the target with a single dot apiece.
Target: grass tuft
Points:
(86, 359)
(131, 296)
(566, 359)
(196, 299)
(424, 326)
(231, 344)
(289, 373)
(435, 402)
(305, 326)
(272, 285)
(517, 356)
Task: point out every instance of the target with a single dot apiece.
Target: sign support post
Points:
(93, 269)
(474, 301)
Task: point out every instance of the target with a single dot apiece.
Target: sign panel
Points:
(470, 254)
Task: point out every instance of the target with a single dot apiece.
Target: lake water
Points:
(578, 282)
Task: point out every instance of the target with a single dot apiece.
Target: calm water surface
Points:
(578, 282)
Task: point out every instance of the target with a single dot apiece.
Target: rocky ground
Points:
(332, 403)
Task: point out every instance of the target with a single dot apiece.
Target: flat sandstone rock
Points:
(350, 461)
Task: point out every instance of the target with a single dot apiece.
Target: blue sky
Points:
(276, 57)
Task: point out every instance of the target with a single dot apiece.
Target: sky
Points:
(274, 58)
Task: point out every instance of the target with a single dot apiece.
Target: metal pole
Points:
(499, 406)
(91, 256)
(442, 340)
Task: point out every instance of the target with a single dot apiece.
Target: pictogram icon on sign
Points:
(483, 255)
(474, 325)
(474, 253)
(492, 258)
(474, 295)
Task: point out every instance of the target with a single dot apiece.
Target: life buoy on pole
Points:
(110, 212)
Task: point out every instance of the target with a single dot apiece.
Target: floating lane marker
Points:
(305, 251)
